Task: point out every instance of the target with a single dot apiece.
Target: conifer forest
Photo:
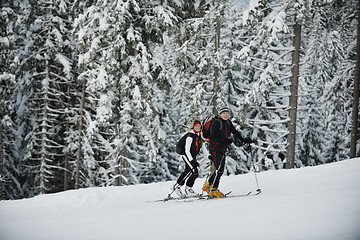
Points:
(97, 92)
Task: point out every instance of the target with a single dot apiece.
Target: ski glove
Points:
(249, 140)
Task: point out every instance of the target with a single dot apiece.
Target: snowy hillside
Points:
(318, 203)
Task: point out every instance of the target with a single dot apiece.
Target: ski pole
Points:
(258, 190)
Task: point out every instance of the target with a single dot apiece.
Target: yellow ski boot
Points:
(206, 187)
(216, 193)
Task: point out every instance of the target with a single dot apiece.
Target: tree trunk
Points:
(1, 163)
(290, 150)
(78, 159)
(124, 168)
(216, 87)
(355, 106)
(117, 154)
(44, 130)
(66, 160)
(117, 174)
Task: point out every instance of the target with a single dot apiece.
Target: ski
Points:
(201, 197)
(170, 198)
(227, 195)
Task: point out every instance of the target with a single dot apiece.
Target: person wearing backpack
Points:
(189, 147)
(220, 131)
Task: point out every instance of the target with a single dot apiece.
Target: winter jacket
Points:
(193, 144)
(220, 132)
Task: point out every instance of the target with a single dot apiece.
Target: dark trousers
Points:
(189, 165)
(218, 161)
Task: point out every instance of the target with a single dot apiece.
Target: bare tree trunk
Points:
(121, 162)
(117, 174)
(216, 87)
(1, 163)
(121, 169)
(124, 168)
(66, 160)
(44, 130)
(355, 106)
(290, 150)
(117, 156)
(78, 159)
(43, 149)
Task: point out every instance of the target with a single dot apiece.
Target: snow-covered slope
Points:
(318, 203)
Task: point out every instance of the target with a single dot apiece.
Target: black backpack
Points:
(180, 145)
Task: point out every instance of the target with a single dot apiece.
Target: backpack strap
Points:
(220, 122)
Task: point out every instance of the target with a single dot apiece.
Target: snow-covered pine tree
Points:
(233, 82)
(10, 187)
(149, 91)
(326, 73)
(92, 36)
(119, 69)
(194, 58)
(311, 88)
(340, 31)
(167, 96)
(266, 51)
(17, 108)
(44, 70)
(192, 84)
(164, 20)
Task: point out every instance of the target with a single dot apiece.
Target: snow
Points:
(165, 16)
(251, 7)
(65, 62)
(4, 41)
(319, 203)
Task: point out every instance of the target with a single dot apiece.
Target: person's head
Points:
(224, 113)
(196, 125)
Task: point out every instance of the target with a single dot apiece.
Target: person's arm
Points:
(188, 143)
(238, 135)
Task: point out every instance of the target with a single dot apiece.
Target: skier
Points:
(193, 144)
(220, 131)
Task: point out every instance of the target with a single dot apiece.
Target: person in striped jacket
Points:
(193, 145)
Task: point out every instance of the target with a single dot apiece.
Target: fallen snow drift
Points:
(319, 203)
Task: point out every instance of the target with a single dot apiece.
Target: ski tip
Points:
(228, 193)
(167, 198)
